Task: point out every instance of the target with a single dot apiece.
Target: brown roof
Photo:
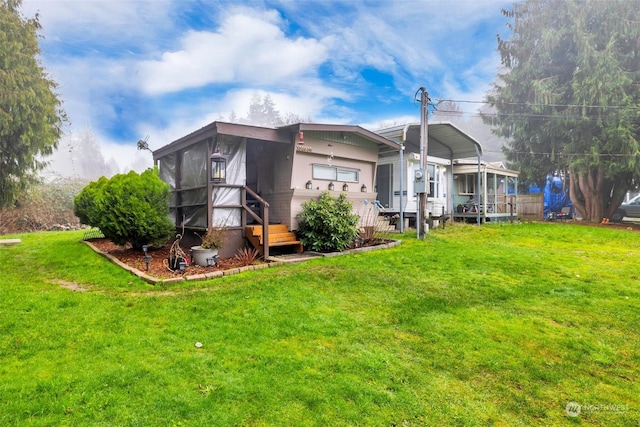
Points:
(283, 134)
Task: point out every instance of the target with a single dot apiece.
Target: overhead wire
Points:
(528, 104)
(540, 116)
(531, 105)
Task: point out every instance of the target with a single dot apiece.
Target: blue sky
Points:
(164, 68)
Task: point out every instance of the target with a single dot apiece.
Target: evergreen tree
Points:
(263, 112)
(568, 100)
(30, 114)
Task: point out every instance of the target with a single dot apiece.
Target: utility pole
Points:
(424, 144)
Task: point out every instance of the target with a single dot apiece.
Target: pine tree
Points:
(568, 100)
(30, 114)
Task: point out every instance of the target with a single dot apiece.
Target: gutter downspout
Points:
(402, 143)
(401, 219)
(450, 190)
(478, 191)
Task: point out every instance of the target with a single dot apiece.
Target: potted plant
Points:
(211, 241)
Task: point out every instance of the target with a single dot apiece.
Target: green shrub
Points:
(327, 224)
(84, 205)
(128, 208)
(45, 206)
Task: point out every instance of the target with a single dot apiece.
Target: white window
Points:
(467, 184)
(335, 173)
(434, 180)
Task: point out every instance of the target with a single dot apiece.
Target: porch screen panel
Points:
(167, 173)
(173, 214)
(235, 149)
(167, 170)
(193, 170)
(193, 179)
(194, 197)
(195, 216)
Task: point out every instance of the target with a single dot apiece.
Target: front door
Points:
(384, 185)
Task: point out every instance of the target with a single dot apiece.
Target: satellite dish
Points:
(142, 143)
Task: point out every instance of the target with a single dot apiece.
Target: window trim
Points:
(468, 179)
(337, 170)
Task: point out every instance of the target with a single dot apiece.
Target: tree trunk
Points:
(585, 191)
(595, 197)
(620, 187)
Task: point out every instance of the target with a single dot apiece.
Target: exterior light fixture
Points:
(309, 185)
(218, 168)
(212, 260)
(146, 257)
(300, 138)
(345, 187)
(331, 186)
(363, 189)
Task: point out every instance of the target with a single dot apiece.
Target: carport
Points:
(445, 141)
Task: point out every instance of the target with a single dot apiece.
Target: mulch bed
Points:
(159, 265)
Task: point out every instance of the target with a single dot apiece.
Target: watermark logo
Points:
(573, 409)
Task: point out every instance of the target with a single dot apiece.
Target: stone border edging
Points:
(387, 245)
(221, 273)
(203, 276)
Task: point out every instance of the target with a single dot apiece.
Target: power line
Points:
(561, 154)
(526, 104)
(527, 115)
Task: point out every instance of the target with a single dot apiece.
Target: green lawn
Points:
(476, 326)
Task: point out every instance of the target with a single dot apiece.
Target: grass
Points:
(493, 325)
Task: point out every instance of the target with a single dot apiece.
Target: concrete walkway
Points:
(9, 242)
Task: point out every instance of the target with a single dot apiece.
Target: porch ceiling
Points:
(445, 140)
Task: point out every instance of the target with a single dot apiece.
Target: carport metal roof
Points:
(445, 140)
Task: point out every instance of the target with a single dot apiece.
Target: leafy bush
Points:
(128, 208)
(46, 206)
(84, 205)
(327, 224)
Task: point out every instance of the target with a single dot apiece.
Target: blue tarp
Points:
(556, 196)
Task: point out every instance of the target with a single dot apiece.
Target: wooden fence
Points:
(531, 205)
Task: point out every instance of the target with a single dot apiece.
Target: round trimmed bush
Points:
(128, 208)
(327, 224)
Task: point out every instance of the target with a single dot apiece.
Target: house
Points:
(242, 177)
(395, 182)
(456, 176)
(498, 191)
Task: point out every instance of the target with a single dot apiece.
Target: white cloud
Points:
(110, 56)
(244, 49)
(108, 22)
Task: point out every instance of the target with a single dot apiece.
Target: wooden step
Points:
(256, 230)
(279, 235)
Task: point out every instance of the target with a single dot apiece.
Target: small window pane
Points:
(348, 175)
(324, 172)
